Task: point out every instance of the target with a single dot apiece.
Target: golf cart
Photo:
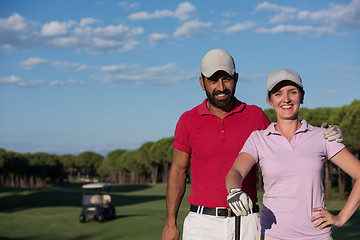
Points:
(96, 202)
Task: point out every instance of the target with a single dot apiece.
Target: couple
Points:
(212, 135)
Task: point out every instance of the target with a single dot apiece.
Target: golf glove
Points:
(332, 132)
(239, 202)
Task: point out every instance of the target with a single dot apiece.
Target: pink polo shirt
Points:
(213, 144)
(293, 179)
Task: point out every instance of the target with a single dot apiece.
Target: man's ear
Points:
(236, 77)
(201, 81)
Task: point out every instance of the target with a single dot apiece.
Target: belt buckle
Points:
(217, 213)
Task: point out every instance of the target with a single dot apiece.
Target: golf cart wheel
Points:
(82, 218)
(113, 213)
(101, 218)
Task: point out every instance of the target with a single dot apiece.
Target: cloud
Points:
(171, 67)
(128, 46)
(10, 80)
(32, 83)
(72, 65)
(145, 15)
(333, 91)
(138, 75)
(329, 21)
(84, 67)
(183, 12)
(229, 14)
(127, 5)
(20, 82)
(32, 61)
(350, 72)
(239, 27)
(87, 21)
(301, 30)
(55, 28)
(337, 17)
(16, 23)
(285, 13)
(55, 34)
(64, 64)
(64, 41)
(70, 82)
(274, 7)
(111, 31)
(155, 38)
(114, 68)
(191, 29)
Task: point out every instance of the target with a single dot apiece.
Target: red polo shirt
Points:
(213, 144)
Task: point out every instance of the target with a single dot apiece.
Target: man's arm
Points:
(175, 192)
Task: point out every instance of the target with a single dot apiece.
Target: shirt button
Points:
(222, 131)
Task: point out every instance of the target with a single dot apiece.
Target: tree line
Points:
(150, 163)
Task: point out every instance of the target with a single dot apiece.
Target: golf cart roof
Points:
(96, 185)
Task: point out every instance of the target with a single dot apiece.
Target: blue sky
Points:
(103, 75)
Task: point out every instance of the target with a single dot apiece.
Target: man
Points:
(212, 135)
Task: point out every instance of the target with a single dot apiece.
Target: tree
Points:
(144, 156)
(69, 163)
(13, 168)
(161, 155)
(110, 167)
(130, 162)
(350, 126)
(89, 162)
(3, 159)
(46, 168)
(271, 114)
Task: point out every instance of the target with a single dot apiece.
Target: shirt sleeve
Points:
(181, 141)
(250, 146)
(332, 148)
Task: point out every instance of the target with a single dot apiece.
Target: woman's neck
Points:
(287, 127)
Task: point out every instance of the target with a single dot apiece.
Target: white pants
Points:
(200, 226)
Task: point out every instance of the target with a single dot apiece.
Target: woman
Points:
(291, 154)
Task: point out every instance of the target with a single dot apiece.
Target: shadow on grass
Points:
(350, 231)
(67, 195)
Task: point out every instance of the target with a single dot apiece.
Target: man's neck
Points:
(220, 112)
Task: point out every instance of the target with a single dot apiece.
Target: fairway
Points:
(53, 213)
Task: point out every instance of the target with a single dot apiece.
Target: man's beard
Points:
(220, 103)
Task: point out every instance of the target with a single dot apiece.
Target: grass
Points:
(53, 213)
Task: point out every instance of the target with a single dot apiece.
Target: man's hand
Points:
(239, 202)
(170, 233)
(332, 132)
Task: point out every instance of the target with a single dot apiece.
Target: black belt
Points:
(221, 212)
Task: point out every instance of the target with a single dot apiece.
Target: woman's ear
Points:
(302, 96)
(268, 99)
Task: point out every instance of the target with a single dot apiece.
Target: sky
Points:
(90, 75)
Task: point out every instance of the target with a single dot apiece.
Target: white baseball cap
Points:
(282, 75)
(215, 60)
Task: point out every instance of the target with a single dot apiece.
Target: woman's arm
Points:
(239, 202)
(241, 167)
(351, 165)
